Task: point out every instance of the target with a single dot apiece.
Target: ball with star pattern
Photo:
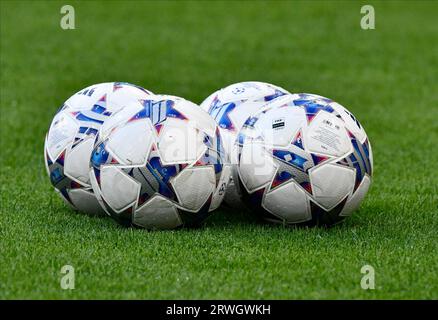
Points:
(70, 139)
(305, 160)
(159, 164)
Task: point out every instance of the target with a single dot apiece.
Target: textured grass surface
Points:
(387, 77)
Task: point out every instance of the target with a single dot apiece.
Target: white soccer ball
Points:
(305, 161)
(161, 166)
(71, 135)
(230, 107)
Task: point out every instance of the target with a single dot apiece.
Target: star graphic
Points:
(155, 177)
(313, 108)
(313, 105)
(220, 113)
(294, 163)
(158, 111)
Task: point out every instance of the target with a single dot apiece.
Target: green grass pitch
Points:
(387, 77)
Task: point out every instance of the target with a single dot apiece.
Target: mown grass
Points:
(387, 77)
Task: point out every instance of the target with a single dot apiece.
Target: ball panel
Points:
(77, 165)
(61, 133)
(157, 213)
(198, 118)
(278, 127)
(180, 142)
(330, 184)
(326, 135)
(46, 156)
(118, 118)
(355, 200)
(256, 166)
(195, 219)
(119, 190)
(140, 137)
(350, 121)
(85, 201)
(370, 155)
(125, 94)
(194, 186)
(288, 202)
(322, 217)
(96, 190)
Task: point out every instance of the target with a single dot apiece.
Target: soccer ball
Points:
(230, 107)
(161, 166)
(306, 160)
(70, 139)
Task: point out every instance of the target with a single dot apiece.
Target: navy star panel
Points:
(220, 113)
(294, 164)
(155, 178)
(158, 111)
(312, 108)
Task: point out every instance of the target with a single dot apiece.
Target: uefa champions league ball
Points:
(71, 135)
(230, 107)
(160, 165)
(306, 160)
